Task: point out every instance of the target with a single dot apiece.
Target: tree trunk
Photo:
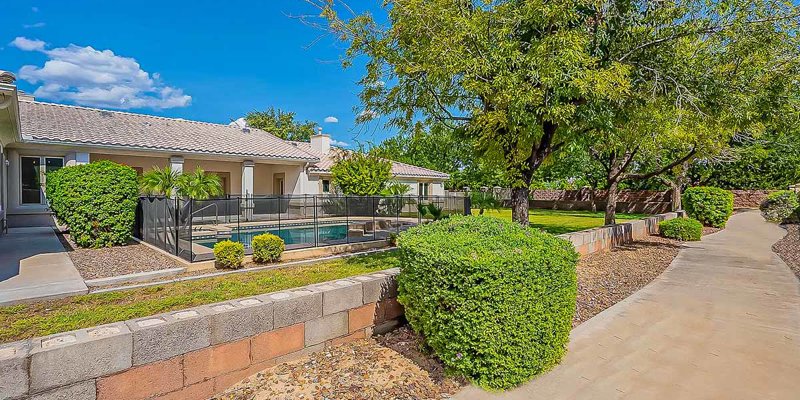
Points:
(519, 205)
(675, 188)
(611, 203)
(592, 200)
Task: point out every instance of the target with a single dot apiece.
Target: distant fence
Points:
(190, 228)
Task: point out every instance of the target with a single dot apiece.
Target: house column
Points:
(76, 158)
(248, 169)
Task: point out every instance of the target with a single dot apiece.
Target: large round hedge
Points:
(96, 201)
(494, 300)
(684, 229)
(711, 206)
(780, 206)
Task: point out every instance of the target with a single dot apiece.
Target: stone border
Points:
(197, 352)
(606, 237)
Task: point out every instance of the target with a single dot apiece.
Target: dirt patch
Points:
(788, 248)
(606, 278)
(707, 230)
(114, 261)
(366, 369)
(395, 366)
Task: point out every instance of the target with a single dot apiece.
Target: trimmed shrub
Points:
(493, 299)
(229, 254)
(267, 248)
(684, 229)
(710, 205)
(780, 206)
(96, 201)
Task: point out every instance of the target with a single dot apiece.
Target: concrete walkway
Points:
(722, 322)
(34, 266)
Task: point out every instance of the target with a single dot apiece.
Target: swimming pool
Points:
(290, 236)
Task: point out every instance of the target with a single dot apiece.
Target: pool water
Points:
(290, 236)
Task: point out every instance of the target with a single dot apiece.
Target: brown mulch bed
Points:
(788, 248)
(114, 261)
(707, 230)
(393, 366)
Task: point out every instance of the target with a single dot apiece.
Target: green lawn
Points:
(558, 221)
(44, 318)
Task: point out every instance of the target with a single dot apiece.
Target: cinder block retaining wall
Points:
(195, 353)
(606, 237)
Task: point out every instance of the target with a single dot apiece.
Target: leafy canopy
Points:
(281, 124)
(361, 173)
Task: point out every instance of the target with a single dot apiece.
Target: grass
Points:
(45, 318)
(560, 221)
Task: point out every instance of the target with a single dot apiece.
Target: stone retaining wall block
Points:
(340, 295)
(282, 341)
(85, 390)
(328, 327)
(143, 382)
(167, 335)
(14, 369)
(66, 358)
(292, 307)
(216, 360)
(237, 319)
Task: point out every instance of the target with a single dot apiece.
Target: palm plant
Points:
(199, 185)
(160, 181)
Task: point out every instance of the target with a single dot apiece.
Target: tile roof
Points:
(398, 169)
(47, 122)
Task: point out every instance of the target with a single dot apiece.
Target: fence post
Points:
(467, 205)
(347, 218)
(374, 211)
(316, 223)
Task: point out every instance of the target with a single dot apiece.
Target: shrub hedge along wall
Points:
(494, 300)
(710, 205)
(780, 206)
(229, 254)
(267, 248)
(685, 229)
(96, 201)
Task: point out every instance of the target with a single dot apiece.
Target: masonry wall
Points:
(195, 353)
(606, 237)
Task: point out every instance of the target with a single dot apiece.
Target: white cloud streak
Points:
(339, 143)
(97, 78)
(331, 120)
(36, 25)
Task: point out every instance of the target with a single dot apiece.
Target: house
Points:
(37, 137)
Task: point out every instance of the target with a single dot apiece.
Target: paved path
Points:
(34, 266)
(722, 322)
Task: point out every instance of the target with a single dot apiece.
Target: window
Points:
(326, 186)
(423, 189)
(34, 177)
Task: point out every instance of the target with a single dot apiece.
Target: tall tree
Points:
(524, 78)
(281, 124)
(361, 173)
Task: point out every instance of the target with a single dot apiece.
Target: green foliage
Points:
(359, 173)
(229, 254)
(684, 229)
(780, 206)
(97, 201)
(494, 300)
(267, 248)
(485, 201)
(197, 184)
(393, 238)
(435, 211)
(710, 205)
(394, 188)
(281, 124)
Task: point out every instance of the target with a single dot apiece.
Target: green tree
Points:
(360, 173)
(281, 124)
(159, 181)
(199, 185)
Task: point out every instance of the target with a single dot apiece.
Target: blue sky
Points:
(203, 60)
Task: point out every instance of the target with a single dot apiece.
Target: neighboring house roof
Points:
(399, 169)
(64, 124)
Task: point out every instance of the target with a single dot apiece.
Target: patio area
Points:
(35, 266)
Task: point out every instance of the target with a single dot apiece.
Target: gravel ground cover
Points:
(788, 248)
(114, 261)
(393, 366)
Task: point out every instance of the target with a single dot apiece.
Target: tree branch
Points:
(662, 170)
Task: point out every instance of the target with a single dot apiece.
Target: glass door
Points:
(34, 177)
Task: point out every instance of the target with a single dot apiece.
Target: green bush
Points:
(493, 299)
(96, 201)
(710, 205)
(228, 254)
(780, 206)
(685, 229)
(267, 248)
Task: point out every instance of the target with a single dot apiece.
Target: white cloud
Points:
(36, 25)
(26, 44)
(331, 120)
(339, 143)
(97, 78)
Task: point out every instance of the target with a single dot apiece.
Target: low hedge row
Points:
(780, 206)
(684, 229)
(96, 201)
(493, 299)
